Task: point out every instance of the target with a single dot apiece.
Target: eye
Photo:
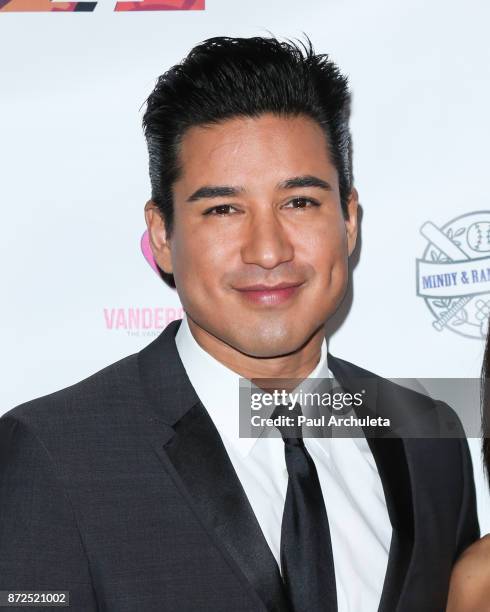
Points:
(302, 202)
(221, 210)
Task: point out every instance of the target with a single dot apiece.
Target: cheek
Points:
(198, 262)
(325, 248)
(185, 263)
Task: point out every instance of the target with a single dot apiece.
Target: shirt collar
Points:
(217, 386)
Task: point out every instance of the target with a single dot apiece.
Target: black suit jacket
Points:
(120, 490)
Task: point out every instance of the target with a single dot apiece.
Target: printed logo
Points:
(47, 6)
(141, 321)
(453, 276)
(137, 320)
(146, 250)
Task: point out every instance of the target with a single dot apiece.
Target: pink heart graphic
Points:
(146, 250)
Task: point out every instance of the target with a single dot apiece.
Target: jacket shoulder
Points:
(416, 403)
(102, 389)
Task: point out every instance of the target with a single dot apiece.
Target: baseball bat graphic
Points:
(439, 239)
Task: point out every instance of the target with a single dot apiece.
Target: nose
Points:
(266, 242)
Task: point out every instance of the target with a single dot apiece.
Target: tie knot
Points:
(286, 420)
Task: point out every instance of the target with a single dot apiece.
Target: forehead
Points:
(245, 149)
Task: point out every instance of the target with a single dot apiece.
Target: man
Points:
(133, 489)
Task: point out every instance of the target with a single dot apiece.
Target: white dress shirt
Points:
(360, 528)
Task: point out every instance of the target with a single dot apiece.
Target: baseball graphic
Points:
(478, 237)
(464, 239)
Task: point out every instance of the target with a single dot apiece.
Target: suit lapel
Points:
(194, 455)
(388, 449)
(196, 458)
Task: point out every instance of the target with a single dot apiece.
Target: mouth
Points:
(270, 295)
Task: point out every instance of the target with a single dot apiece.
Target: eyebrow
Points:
(215, 191)
(220, 191)
(307, 180)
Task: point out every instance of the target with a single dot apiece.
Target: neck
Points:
(295, 366)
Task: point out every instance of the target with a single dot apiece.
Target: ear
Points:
(157, 234)
(351, 222)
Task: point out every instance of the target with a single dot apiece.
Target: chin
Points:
(267, 344)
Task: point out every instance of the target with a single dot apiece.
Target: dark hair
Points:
(226, 77)
(485, 407)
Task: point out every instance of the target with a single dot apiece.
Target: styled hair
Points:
(222, 78)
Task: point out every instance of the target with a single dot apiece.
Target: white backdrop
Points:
(74, 177)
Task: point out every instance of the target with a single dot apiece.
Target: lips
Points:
(269, 295)
(283, 285)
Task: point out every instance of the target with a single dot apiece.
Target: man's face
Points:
(258, 203)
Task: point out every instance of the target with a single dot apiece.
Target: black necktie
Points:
(306, 550)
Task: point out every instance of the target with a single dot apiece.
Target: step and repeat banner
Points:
(81, 287)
